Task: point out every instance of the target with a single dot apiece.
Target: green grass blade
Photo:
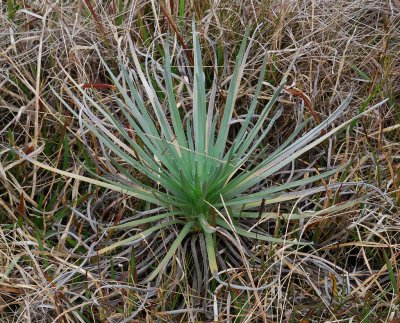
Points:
(151, 94)
(134, 191)
(211, 253)
(205, 225)
(295, 216)
(264, 115)
(278, 198)
(304, 144)
(250, 113)
(181, 13)
(284, 187)
(175, 116)
(137, 236)
(120, 17)
(150, 219)
(233, 90)
(175, 245)
(199, 106)
(259, 236)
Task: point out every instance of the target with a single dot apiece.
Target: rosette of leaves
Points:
(200, 177)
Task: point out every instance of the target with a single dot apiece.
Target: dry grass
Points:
(51, 226)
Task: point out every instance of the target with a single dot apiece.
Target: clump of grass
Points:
(203, 183)
(51, 224)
